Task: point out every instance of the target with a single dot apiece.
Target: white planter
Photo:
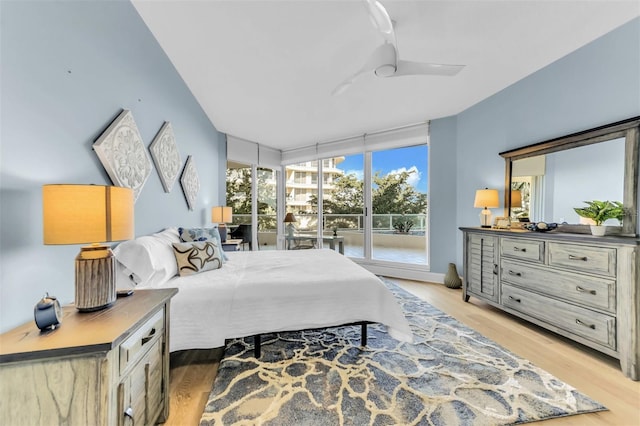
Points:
(598, 230)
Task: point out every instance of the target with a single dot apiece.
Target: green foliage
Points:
(390, 194)
(239, 190)
(600, 211)
(393, 194)
(238, 186)
(346, 196)
(403, 225)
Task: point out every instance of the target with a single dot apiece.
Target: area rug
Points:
(450, 375)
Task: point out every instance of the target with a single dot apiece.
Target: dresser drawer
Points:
(530, 250)
(597, 260)
(595, 326)
(581, 289)
(136, 345)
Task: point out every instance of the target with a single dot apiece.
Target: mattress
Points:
(258, 292)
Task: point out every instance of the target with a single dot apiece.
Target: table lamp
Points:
(222, 215)
(516, 198)
(290, 219)
(486, 198)
(79, 214)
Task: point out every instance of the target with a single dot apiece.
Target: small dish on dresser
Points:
(541, 226)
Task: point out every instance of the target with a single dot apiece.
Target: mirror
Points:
(545, 181)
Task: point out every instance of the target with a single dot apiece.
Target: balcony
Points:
(387, 243)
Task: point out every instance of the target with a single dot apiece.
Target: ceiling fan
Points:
(384, 60)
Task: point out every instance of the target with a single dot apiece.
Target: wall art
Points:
(123, 154)
(190, 182)
(166, 157)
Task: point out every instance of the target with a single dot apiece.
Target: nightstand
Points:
(232, 245)
(109, 367)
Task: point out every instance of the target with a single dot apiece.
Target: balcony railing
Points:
(343, 222)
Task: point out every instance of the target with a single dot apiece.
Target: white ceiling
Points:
(264, 70)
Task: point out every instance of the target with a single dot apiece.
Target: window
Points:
(399, 204)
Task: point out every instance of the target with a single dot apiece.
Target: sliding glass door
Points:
(343, 203)
(390, 184)
(399, 205)
(301, 187)
(242, 189)
(267, 196)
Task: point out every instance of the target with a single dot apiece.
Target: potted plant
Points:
(599, 212)
(403, 226)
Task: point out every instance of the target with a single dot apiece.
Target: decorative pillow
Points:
(197, 256)
(149, 259)
(202, 234)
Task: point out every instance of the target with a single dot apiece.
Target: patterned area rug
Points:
(451, 375)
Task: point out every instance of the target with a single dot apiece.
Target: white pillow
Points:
(150, 258)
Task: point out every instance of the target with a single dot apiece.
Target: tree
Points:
(344, 198)
(238, 188)
(391, 194)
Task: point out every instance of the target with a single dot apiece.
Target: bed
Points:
(257, 292)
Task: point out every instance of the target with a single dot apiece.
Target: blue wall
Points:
(442, 194)
(595, 85)
(68, 68)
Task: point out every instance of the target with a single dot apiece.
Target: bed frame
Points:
(363, 335)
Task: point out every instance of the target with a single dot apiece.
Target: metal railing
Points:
(343, 222)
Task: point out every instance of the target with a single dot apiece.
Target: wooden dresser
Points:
(109, 367)
(582, 287)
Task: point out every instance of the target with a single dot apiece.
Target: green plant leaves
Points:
(600, 211)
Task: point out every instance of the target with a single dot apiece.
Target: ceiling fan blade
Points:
(421, 68)
(379, 16)
(342, 87)
(381, 20)
(382, 62)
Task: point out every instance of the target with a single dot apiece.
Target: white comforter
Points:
(266, 291)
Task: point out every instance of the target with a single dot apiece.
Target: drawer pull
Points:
(583, 258)
(145, 340)
(519, 249)
(591, 326)
(514, 299)
(517, 274)
(584, 290)
(129, 412)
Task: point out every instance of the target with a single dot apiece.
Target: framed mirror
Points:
(546, 180)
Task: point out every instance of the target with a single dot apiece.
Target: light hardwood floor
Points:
(594, 374)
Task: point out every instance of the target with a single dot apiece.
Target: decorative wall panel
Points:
(166, 157)
(190, 182)
(123, 154)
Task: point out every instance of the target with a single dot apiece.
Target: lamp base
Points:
(222, 230)
(290, 230)
(485, 218)
(95, 278)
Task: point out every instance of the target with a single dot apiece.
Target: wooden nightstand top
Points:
(83, 333)
(233, 241)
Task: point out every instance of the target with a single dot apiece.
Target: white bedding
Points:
(266, 291)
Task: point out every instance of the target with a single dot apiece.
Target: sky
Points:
(393, 161)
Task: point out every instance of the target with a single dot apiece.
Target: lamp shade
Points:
(486, 198)
(222, 214)
(78, 214)
(289, 218)
(516, 198)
